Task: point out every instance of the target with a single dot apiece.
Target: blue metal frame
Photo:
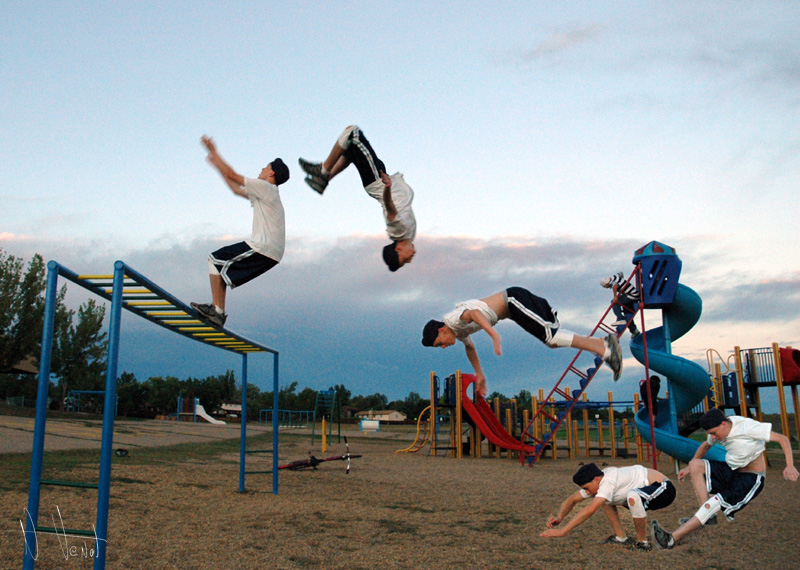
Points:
(156, 305)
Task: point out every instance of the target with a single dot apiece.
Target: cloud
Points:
(338, 316)
(559, 42)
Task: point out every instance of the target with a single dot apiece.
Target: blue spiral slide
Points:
(688, 384)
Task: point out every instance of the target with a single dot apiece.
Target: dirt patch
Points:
(396, 511)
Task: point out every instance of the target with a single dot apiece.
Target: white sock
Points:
(219, 311)
(324, 170)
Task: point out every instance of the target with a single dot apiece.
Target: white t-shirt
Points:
(618, 481)
(404, 226)
(463, 329)
(745, 442)
(269, 226)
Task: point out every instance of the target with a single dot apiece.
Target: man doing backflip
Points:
(236, 264)
(532, 313)
(392, 192)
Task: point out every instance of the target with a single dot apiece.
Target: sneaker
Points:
(619, 322)
(614, 359)
(209, 313)
(661, 537)
(710, 522)
(312, 168)
(644, 545)
(613, 540)
(634, 330)
(317, 183)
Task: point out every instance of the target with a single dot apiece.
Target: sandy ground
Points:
(396, 511)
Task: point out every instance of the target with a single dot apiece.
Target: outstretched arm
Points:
(565, 509)
(584, 514)
(699, 454)
(388, 203)
(473, 316)
(233, 179)
(480, 379)
(790, 471)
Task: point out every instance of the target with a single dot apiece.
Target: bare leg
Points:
(341, 163)
(336, 153)
(697, 473)
(641, 529)
(217, 290)
(613, 517)
(689, 526)
(589, 343)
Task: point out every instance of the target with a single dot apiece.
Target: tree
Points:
(163, 393)
(372, 402)
(21, 317)
(524, 400)
(21, 308)
(342, 395)
(132, 397)
(79, 349)
(413, 405)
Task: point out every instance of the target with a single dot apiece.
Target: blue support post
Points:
(32, 515)
(275, 461)
(104, 482)
(243, 444)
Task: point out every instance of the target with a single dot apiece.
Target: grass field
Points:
(178, 507)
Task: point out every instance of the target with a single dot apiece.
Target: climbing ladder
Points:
(326, 403)
(450, 402)
(573, 372)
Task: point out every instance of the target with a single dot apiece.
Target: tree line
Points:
(79, 361)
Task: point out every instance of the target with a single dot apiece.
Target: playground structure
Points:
(501, 425)
(747, 372)
(286, 418)
(690, 390)
(325, 405)
(129, 289)
(189, 409)
(74, 401)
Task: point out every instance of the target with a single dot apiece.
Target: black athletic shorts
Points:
(360, 153)
(532, 313)
(734, 488)
(240, 263)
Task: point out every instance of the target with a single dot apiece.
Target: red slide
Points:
(483, 416)
(790, 365)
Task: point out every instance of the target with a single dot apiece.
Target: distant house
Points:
(382, 415)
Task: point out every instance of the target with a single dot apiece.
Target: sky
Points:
(545, 142)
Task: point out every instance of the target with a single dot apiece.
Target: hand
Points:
(790, 473)
(553, 521)
(209, 144)
(553, 533)
(387, 181)
(480, 385)
(497, 349)
(682, 473)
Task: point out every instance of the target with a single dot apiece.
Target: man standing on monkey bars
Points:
(236, 264)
